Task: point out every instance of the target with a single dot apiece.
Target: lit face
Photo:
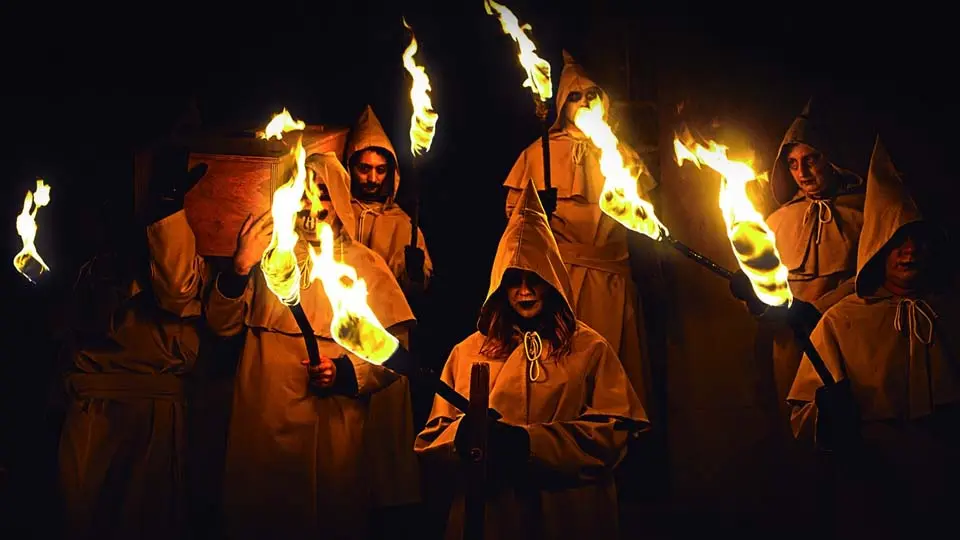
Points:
(368, 172)
(810, 170)
(308, 221)
(526, 292)
(576, 100)
(906, 261)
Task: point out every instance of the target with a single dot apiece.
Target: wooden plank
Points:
(476, 488)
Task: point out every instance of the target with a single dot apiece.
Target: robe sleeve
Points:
(435, 442)
(225, 315)
(803, 416)
(176, 271)
(594, 443)
(371, 378)
(515, 181)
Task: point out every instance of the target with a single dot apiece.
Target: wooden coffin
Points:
(243, 171)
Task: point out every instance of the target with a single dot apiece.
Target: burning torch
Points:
(423, 123)
(28, 261)
(538, 81)
(354, 326)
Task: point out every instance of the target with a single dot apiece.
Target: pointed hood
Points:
(368, 132)
(813, 134)
(331, 173)
(887, 209)
(528, 244)
(573, 78)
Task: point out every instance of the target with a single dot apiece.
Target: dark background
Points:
(84, 86)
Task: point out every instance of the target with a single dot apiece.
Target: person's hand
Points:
(323, 375)
(508, 446)
(252, 241)
(742, 289)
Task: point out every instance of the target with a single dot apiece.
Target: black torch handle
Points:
(313, 350)
(803, 338)
(545, 145)
(415, 211)
(700, 258)
(404, 363)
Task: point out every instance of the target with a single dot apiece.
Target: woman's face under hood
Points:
(576, 100)
(906, 265)
(526, 292)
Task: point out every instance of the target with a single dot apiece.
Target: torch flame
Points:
(27, 229)
(354, 325)
(423, 121)
(753, 242)
(620, 198)
(280, 124)
(279, 262)
(538, 69)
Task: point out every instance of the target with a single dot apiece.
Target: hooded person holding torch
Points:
(593, 246)
(374, 182)
(310, 452)
(567, 405)
(894, 345)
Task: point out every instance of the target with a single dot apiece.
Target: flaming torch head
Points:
(538, 70)
(752, 240)
(279, 261)
(354, 326)
(423, 121)
(28, 261)
(620, 198)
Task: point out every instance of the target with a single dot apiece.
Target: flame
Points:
(27, 229)
(354, 325)
(753, 242)
(280, 124)
(423, 121)
(620, 198)
(538, 69)
(279, 262)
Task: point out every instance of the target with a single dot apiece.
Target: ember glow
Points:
(28, 262)
(753, 242)
(620, 198)
(354, 326)
(279, 262)
(423, 121)
(538, 69)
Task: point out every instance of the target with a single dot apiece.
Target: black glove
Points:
(838, 420)
(508, 446)
(170, 180)
(801, 316)
(742, 289)
(548, 198)
(415, 260)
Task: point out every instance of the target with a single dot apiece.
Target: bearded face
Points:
(369, 170)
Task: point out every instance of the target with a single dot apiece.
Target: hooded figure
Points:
(896, 341)
(593, 245)
(568, 408)
(298, 459)
(374, 181)
(817, 228)
(123, 441)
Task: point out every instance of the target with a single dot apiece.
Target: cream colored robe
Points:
(298, 464)
(123, 446)
(817, 241)
(579, 413)
(383, 226)
(902, 357)
(592, 244)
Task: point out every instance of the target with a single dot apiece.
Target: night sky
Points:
(83, 87)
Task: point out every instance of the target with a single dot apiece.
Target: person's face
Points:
(526, 292)
(368, 172)
(576, 100)
(316, 208)
(810, 170)
(906, 261)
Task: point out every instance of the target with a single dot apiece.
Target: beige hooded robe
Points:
(817, 240)
(297, 464)
(592, 244)
(123, 441)
(578, 414)
(902, 356)
(383, 226)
